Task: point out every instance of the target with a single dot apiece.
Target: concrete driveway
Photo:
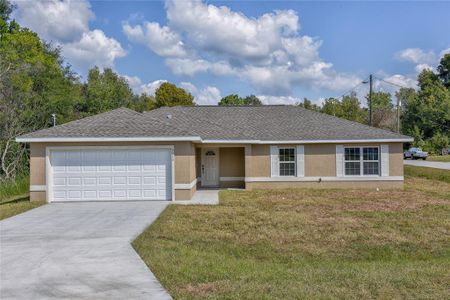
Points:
(77, 251)
(428, 164)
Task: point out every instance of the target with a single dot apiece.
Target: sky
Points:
(281, 51)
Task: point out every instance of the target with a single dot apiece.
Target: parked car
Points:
(415, 153)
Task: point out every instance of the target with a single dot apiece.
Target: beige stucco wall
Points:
(232, 162)
(185, 194)
(395, 159)
(184, 162)
(259, 165)
(320, 160)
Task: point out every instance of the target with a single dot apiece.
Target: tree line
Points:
(36, 82)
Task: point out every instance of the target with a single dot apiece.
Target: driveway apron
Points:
(78, 251)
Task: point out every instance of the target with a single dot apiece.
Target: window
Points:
(362, 161)
(287, 161)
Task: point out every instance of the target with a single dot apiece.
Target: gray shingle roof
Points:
(262, 123)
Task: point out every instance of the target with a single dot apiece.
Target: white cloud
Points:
(230, 33)
(190, 67)
(138, 87)
(420, 67)
(267, 99)
(402, 80)
(55, 20)
(209, 95)
(151, 87)
(421, 59)
(134, 82)
(162, 40)
(267, 51)
(66, 24)
(417, 56)
(94, 48)
(443, 52)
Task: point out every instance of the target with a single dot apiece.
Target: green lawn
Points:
(9, 189)
(14, 198)
(428, 173)
(445, 158)
(303, 244)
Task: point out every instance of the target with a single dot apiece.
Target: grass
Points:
(428, 173)
(303, 244)
(442, 158)
(14, 198)
(12, 208)
(10, 189)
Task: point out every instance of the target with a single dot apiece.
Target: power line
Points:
(349, 91)
(391, 83)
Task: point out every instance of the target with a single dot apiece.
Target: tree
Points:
(252, 100)
(5, 10)
(332, 106)
(168, 94)
(444, 70)
(104, 91)
(426, 111)
(437, 143)
(382, 114)
(406, 97)
(231, 100)
(33, 85)
(309, 105)
(352, 110)
(142, 103)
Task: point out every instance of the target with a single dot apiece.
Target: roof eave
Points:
(334, 141)
(203, 141)
(108, 139)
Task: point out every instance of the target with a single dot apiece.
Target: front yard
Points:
(307, 244)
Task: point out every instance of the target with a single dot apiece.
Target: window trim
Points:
(294, 162)
(361, 161)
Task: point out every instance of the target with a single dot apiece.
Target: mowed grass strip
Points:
(295, 244)
(12, 208)
(428, 173)
(442, 158)
(14, 197)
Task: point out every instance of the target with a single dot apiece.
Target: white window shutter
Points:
(339, 160)
(274, 164)
(384, 160)
(300, 161)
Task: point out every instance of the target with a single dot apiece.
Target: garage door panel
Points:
(105, 175)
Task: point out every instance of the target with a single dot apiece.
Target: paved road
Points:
(429, 164)
(77, 251)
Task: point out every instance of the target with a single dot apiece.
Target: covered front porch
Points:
(219, 166)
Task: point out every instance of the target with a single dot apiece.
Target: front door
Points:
(210, 167)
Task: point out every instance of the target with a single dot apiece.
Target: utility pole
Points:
(398, 115)
(370, 100)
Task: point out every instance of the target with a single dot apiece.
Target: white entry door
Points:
(210, 167)
(110, 174)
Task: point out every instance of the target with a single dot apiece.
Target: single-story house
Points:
(170, 152)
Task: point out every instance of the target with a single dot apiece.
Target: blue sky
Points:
(280, 51)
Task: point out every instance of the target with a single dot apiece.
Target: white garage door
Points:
(110, 174)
